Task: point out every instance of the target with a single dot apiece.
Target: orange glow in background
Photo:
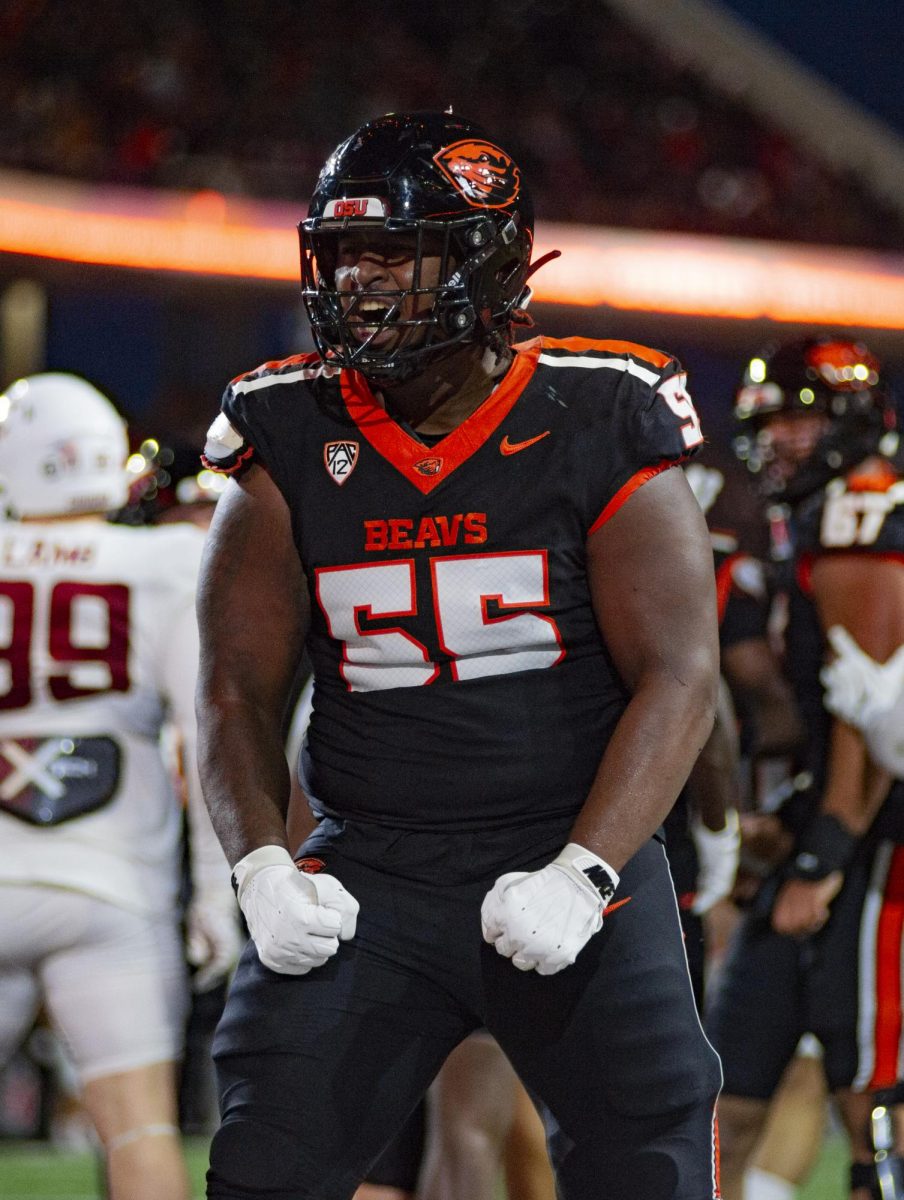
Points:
(210, 234)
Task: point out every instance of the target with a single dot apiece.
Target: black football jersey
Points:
(741, 588)
(860, 514)
(460, 677)
(741, 592)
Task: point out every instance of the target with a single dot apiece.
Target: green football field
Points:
(29, 1171)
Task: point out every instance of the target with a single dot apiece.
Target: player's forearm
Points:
(854, 789)
(209, 869)
(753, 673)
(648, 760)
(243, 773)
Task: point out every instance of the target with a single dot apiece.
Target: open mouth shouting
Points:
(368, 316)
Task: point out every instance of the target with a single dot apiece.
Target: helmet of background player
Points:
(436, 181)
(836, 379)
(63, 448)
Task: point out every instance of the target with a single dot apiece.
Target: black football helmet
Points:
(440, 182)
(835, 376)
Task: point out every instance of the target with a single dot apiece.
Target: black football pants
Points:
(318, 1072)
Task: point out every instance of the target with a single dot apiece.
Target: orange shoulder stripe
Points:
(310, 356)
(879, 478)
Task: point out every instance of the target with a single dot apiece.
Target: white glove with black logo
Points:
(542, 920)
(296, 921)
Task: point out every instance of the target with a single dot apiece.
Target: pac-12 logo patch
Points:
(309, 866)
(340, 459)
(484, 174)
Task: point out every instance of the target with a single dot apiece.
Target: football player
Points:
(99, 644)
(508, 600)
(820, 950)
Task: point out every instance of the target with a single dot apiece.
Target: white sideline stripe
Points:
(868, 953)
(614, 364)
(251, 385)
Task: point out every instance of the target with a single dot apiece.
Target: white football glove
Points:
(213, 939)
(869, 696)
(296, 920)
(542, 920)
(718, 851)
(858, 689)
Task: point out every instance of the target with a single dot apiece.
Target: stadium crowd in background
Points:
(246, 98)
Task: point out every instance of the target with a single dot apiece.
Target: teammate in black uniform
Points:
(821, 950)
(508, 601)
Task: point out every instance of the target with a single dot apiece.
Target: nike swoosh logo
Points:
(618, 903)
(508, 447)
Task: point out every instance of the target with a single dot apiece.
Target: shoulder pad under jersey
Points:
(225, 448)
(231, 445)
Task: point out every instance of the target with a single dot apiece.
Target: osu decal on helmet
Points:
(433, 191)
(837, 382)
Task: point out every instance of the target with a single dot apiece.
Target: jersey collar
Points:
(428, 466)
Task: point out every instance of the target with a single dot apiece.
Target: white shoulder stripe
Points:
(252, 385)
(614, 364)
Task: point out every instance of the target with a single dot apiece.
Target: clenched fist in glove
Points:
(542, 920)
(296, 920)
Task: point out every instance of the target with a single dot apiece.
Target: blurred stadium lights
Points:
(681, 274)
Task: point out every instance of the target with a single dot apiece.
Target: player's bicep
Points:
(653, 588)
(864, 594)
(253, 606)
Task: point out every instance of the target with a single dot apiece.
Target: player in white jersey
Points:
(98, 647)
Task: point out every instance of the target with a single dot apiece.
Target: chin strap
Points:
(541, 262)
(519, 314)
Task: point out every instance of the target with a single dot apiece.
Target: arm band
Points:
(825, 846)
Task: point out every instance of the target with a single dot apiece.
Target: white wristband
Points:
(264, 856)
(727, 835)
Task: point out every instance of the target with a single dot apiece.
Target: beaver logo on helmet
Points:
(484, 174)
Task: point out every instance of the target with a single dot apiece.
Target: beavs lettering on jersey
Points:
(426, 533)
(18, 554)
